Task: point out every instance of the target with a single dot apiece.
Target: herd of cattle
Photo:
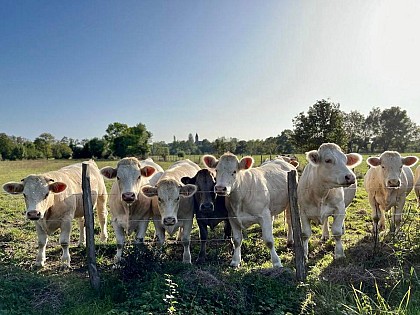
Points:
(227, 189)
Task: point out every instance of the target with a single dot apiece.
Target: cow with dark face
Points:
(209, 210)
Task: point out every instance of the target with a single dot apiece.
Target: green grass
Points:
(372, 279)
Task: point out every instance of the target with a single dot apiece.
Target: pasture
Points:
(374, 278)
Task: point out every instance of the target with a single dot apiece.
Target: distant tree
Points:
(354, 123)
(18, 152)
(43, 143)
(322, 123)
(397, 129)
(373, 128)
(160, 149)
(95, 148)
(206, 147)
(241, 147)
(61, 150)
(285, 142)
(6, 146)
(128, 141)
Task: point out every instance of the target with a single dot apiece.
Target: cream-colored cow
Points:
(254, 196)
(130, 209)
(54, 198)
(417, 184)
(388, 182)
(321, 192)
(176, 209)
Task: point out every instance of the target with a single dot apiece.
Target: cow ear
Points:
(373, 161)
(147, 171)
(246, 163)
(409, 160)
(149, 191)
(109, 172)
(187, 180)
(187, 190)
(13, 188)
(313, 157)
(210, 161)
(57, 187)
(294, 163)
(353, 159)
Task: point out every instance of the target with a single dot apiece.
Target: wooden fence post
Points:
(297, 229)
(89, 226)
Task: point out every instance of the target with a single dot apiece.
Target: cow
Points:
(130, 209)
(209, 210)
(388, 182)
(54, 198)
(417, 184)
(325, 189)
(254, 196)
(176, 208)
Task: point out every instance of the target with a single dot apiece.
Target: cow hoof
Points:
(65, 267)
(234, 265)
(340, 256)
(290, 244)
(278, 265)
(324, 239)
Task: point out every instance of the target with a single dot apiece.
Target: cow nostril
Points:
(169, 221)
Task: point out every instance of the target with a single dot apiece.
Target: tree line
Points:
(380, 130)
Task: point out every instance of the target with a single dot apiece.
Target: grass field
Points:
(374, 278)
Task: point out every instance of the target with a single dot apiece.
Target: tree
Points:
(323, 123)
(43, 143)
(373, 127)
(397, 129)
(128, 141)
(354, 123)
(6, 146)
(285, 142)
(160, 149)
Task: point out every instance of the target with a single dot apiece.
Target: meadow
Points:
(376, 277)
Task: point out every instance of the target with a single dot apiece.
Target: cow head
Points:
(129, 174)
(38, 192)
(333, 166)
(169, 193)
(227, 169)
(390, 164)
(205, 196)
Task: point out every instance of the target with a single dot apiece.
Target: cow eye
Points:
(24, 195)
(46, 195)
(328, 161)
(177, 199)
(118, 178)
(159, 199)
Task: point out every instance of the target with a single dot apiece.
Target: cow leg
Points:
(141, 231)
(42, 245)
(159, 230)
(227, 229)
(102, 213)
(120, 237)
(325, 231)
(185, 239)
(267, 236)
(237, 242)
(337, 230)
(64, 242)
(290, 240)
(203, 240)
(306, 233)
(396, 218)
(378, 217)
(82, 231)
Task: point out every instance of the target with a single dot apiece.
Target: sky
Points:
(241, 69)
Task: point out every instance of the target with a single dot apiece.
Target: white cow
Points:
(417, 184)
(254, 195)
(130, 209)
(176, 210)
(54, 198)
(388, 182)
(322, 192)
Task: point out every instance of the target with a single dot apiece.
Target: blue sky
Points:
(239, 69)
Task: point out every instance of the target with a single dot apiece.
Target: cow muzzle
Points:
(207, 207)
(393, 183)
(350, 179)
(33, 215)
(128, 197)
(221, 190)
(169, 221)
